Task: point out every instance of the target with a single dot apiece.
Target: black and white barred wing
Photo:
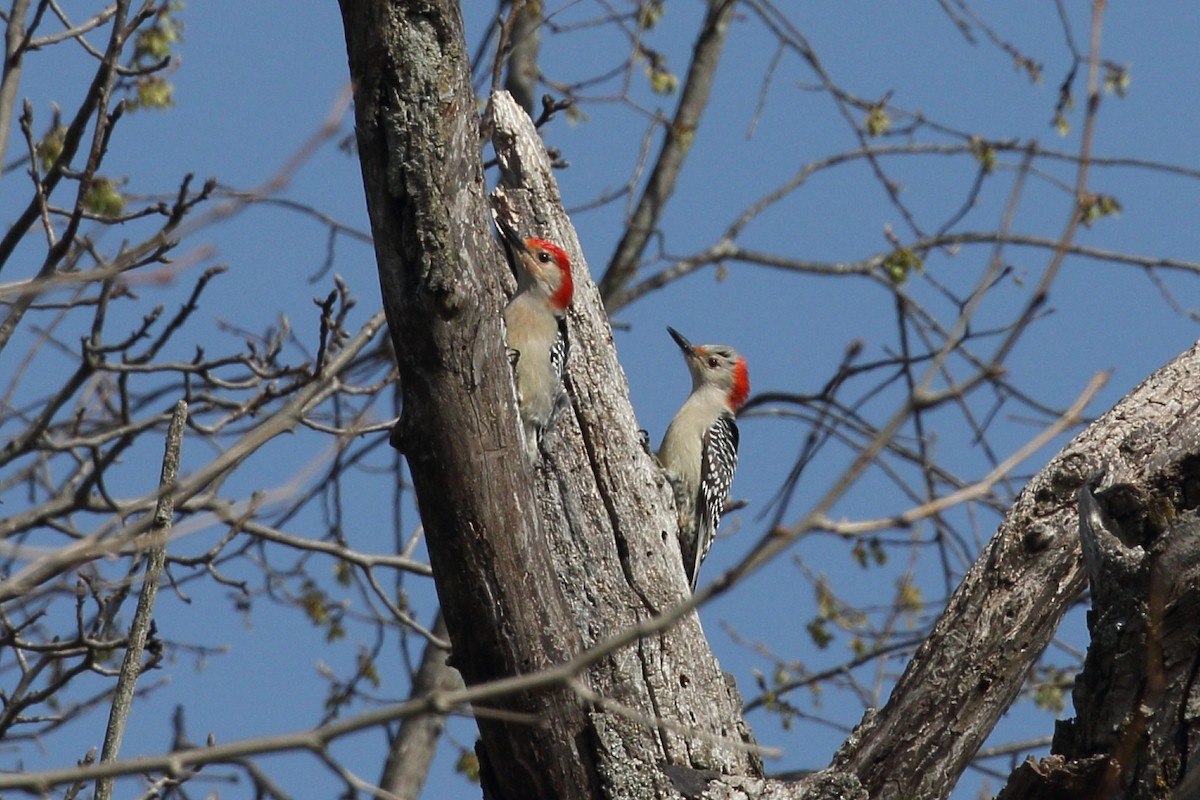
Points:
(718, 462)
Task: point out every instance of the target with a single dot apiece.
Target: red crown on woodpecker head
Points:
(562, 296)
(741, 385)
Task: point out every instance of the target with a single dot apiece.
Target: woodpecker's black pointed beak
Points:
(511, 237)
(680, 340)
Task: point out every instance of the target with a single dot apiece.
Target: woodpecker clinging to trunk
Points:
(699, 450)
(537, 328)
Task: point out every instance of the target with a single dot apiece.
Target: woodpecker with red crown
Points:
(699, 449)
(537, 328)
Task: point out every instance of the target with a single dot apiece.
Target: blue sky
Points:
(257, 79)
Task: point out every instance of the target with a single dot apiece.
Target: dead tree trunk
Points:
(1135, 734)
(537, 564)
(999, 620)
(534, 564)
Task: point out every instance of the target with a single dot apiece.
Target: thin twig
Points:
(983, 486)
(143, 615)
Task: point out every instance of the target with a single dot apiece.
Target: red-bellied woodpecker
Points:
(537, 328)
(699, 450)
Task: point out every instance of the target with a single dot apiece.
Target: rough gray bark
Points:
(536, 564)
(610, 525)
(1000, 619)
(1135, 734)
(418, 143)
(532, 565)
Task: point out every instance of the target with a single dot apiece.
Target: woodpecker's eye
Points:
(712, 363)
(543, 257)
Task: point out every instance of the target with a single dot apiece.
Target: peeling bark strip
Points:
(532, 565)
(607, 513)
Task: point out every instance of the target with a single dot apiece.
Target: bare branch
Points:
(140, 628)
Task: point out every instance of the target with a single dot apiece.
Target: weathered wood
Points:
(973, 664)
(610, 521)
(533, 563)
(1136, 731)
(419, 147)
